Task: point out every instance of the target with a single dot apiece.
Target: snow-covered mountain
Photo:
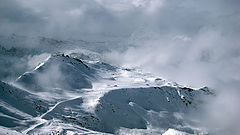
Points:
(77, 92)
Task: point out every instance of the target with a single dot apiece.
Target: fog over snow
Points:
(195, 43)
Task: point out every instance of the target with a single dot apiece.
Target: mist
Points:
(193, 43)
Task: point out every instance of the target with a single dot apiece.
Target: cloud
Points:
(54, 17)
(191, 42)
(36, 60)
(117, 17)
(194, 46)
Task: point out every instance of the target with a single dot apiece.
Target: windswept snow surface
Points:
(78, 93)
(7, 131)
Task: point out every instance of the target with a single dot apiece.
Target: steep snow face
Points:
(18, 107)
(68, 95)
(58, 74)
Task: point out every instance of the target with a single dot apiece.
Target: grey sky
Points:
(118, 17)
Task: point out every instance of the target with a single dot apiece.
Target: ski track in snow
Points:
(40, 118)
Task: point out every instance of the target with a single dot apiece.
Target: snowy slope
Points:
(6, 131)
(59, 70)
(130, 108)
(18, 106)
(77, 92)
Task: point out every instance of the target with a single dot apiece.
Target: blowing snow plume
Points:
(193, 43)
